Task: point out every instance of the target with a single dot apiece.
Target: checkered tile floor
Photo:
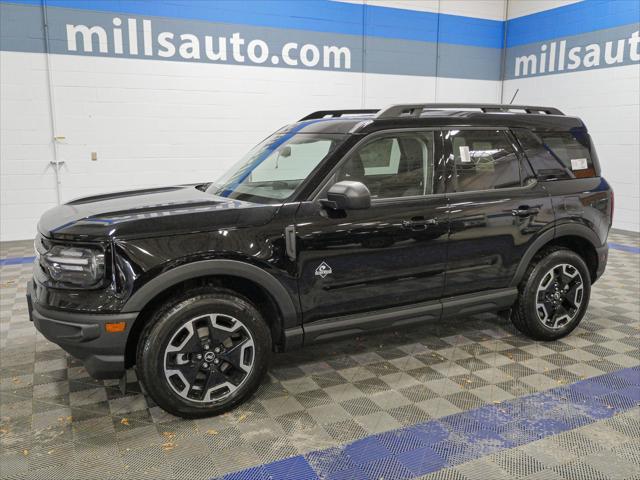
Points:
(57, 422)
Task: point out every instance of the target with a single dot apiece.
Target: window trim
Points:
(447, 148)
(528, 186)
(322, 187)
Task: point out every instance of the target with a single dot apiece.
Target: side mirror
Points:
(348, 195)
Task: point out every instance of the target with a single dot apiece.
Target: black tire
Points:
(525, 313)
(171, 320)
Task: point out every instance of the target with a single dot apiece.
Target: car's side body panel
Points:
(585, 201)
(375, 261)
(488, 240)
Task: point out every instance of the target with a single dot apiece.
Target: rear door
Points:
(391, 254)
(569, 164)
(497, 208)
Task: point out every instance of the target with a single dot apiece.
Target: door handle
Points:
(419, 223)
(525, 211)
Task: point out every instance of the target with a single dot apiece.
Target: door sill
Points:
(350, 325)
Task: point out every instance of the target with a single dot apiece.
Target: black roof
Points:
(438, 115)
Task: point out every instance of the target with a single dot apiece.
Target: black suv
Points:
(342, 223)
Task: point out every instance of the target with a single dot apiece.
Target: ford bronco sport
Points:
(344, 222)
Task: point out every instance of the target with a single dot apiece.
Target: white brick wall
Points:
(520, 8)
(155, 122)
(608, 101)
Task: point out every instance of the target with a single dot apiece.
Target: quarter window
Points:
(558, 155)
(481, 160)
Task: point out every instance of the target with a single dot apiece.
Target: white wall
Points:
(157, 122)
(27, 184)
(608, 101)
(154, 123)
(520, 8)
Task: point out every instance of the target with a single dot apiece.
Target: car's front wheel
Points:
(203, 353)
(553, 296)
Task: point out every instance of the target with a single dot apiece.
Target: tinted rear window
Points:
(558, 155)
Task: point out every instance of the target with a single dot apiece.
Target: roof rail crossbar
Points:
(337, 113)
(415, 110)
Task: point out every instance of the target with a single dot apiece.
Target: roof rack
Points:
(415, 110)
(337, 113)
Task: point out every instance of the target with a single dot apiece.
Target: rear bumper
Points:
(83, 336)
(603, 257)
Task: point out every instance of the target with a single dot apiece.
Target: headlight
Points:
(77, 266)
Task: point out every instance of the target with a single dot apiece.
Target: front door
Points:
(497, 209)
(391, 254)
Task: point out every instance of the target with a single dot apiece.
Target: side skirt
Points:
(479, 302)
(350, 325)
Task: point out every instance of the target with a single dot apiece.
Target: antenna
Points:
(514, 96)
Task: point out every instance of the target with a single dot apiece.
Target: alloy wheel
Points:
(209, 357)
(559, 296)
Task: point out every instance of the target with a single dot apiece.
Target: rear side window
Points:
(481, 160)
(558, 155)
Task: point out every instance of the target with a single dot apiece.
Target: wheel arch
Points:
(251, 281)
(578, 238)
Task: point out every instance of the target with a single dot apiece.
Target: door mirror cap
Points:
(348, 195)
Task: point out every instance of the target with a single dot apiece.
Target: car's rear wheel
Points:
(203, 353)
(553, 296)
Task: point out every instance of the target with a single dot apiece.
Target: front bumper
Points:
(83, 335)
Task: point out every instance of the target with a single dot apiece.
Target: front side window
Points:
(273, 170)
(392, 166)
(481, 160)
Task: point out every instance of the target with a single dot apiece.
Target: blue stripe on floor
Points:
(16, 261)
(624, 248)
(420, 449)
(22, 260)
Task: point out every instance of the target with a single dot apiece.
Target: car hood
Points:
(150, 212)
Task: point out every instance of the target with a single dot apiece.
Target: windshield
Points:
(272, 171)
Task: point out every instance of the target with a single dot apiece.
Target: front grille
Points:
(41, 245)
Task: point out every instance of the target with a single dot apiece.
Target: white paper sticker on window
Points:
(465, 156)
(579, 164)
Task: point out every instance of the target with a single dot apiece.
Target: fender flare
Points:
(575, 229)
(204, 268)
